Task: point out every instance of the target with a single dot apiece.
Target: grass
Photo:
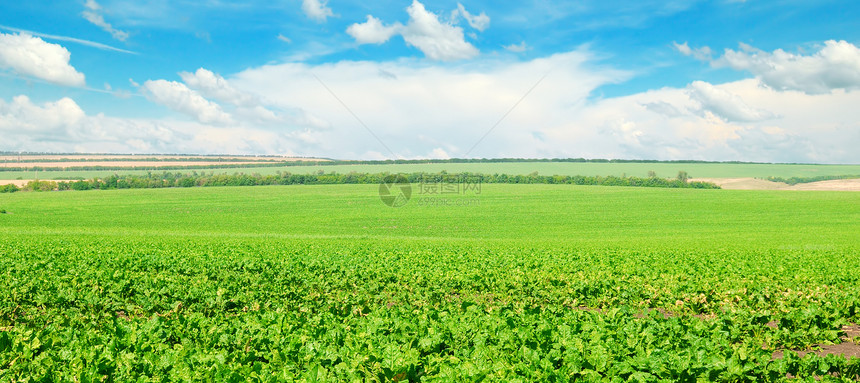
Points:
(326, 283)
(503, 212)
(668, 170)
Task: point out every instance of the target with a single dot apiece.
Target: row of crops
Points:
(182, 308)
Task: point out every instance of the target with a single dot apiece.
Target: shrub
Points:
(37, 185)
(9, 188)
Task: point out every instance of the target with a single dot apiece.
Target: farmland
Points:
(525, 282)
(662, 169)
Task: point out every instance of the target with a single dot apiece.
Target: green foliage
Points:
(8, 188)
(166, 180)
(325, 283)
(37, 185)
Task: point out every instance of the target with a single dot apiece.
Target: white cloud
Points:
(835, 66)
(92, 5)
(725, 104)
(428, 107)
(180, 98)
(479, 22)
(517, 48)
(423, 110)
(439, 153)
(373, 31)
(801, 128)
(316, 9)
(442, 41)
(248, 106)
(39, 121)
(453, 106)
(212, 85)
(438, 40)
(93, 15)
(62, 126)
(31, 56)
(702, 53)
(663, 108)
(285, 39)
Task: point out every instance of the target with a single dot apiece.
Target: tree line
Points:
(194, 179)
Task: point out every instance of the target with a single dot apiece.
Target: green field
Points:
(667, 170)
(517, 283)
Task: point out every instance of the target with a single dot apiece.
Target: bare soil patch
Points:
(18, 183)
(840, 185)
(759, 184)
(127, 157)
(124, 164)
(744, 183)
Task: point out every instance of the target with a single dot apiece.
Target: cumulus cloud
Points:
(62, 126)
(438, 40)
(479, 22)
(180, 98)
(212, 85)
(93, 15)
(725, 104)
(373, 31)
(40, 121)
(212, 99)
(317, 9)
(246, 105)
(453, 106)
(674, 123)
(442, 111)
(701, 53)
(428, 107)
(31, 56)
(836, 65)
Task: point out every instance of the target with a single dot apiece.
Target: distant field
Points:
(667, 170)
(11, 158)
(528, 282)
(571, 214)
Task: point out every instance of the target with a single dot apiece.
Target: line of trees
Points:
(194, 179)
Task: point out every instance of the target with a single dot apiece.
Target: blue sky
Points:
(751, 80)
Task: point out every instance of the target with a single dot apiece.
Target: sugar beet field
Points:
(527, 283)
